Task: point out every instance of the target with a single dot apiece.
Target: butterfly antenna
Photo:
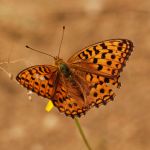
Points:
(61, 40)
(39, 51)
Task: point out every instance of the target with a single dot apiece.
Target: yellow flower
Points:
(49, 106)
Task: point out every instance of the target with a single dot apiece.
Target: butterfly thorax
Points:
(63, 67)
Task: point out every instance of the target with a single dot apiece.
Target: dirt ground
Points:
(123, 124)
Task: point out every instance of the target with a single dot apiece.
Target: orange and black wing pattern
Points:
(76, 97)
(103, 61)
(92, 70)
(105, 58)
(39, 79)
(100, 65)
(68, 97)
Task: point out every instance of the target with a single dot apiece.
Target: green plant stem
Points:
(82, 133)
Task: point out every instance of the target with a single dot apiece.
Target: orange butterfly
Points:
(83, 81)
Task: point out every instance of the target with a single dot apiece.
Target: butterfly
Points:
(82, 82)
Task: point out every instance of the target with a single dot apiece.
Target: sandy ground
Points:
(123, 124)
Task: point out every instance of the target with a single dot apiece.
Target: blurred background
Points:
(122, 124)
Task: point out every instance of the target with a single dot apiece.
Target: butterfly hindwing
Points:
(97, 78)
(100, 92)
(68, 97)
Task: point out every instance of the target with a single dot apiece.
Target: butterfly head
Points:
(58, 61)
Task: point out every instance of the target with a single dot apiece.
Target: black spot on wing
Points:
(95, 94)
(119, 48)
(96, 51)
(120, 44)
(102, 90)
(109, 63)
(106, 80)
(95, 60)
(113, 56)
(110, 51)
(89, 51)
(85, 55)
(100, 67)
(103, 55)
(103, 46)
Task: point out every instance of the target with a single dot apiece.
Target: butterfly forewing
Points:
(105, 58)
(39, 79)
(119, 47)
